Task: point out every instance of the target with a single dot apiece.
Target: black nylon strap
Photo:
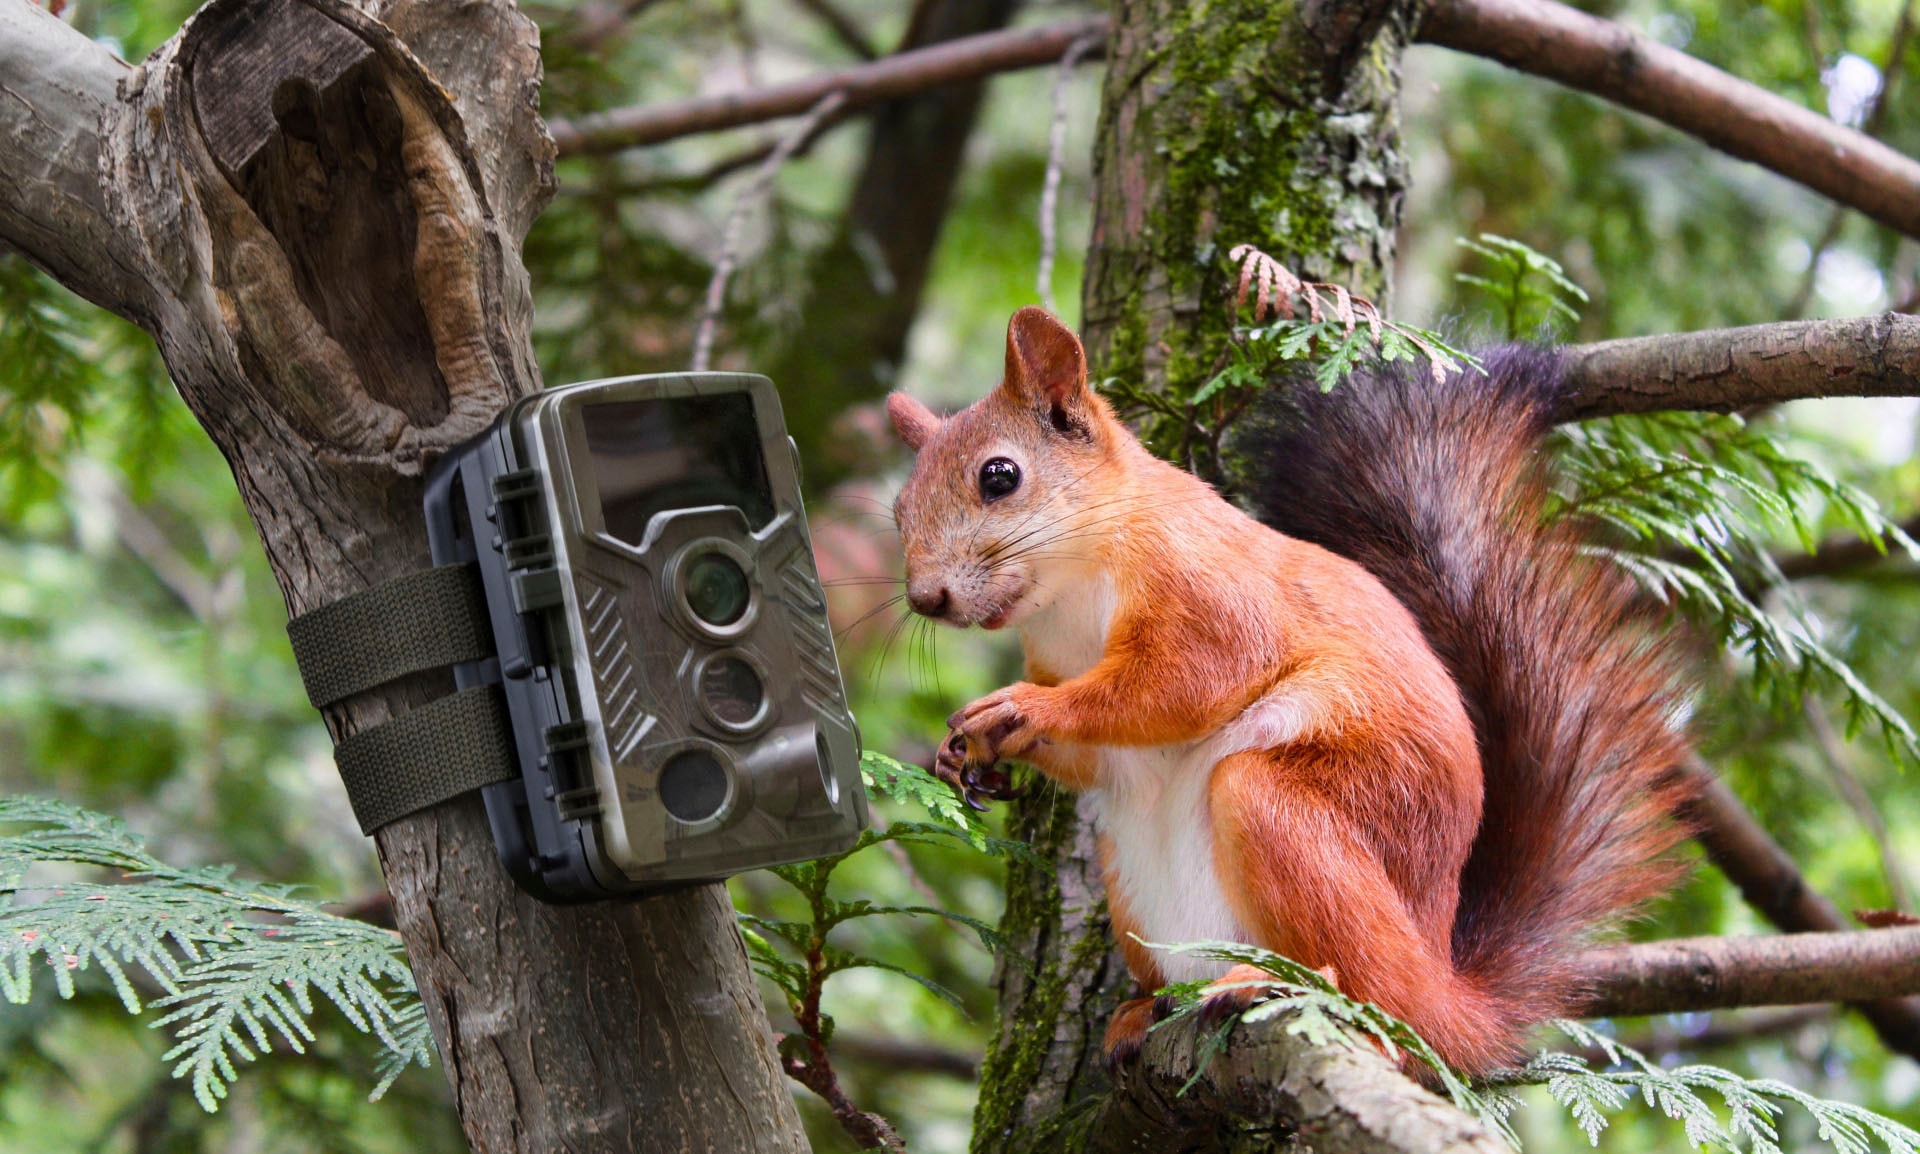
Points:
(424, 620)
(438, 751)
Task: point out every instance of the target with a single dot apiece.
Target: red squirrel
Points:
(1420, 740)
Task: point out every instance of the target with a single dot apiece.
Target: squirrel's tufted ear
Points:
(1047, 368)
(915, 423)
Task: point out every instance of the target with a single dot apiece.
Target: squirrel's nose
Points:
(929, 601)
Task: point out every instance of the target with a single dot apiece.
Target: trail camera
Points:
(660, 635)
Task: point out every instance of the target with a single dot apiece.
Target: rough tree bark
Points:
(1246, 121)
(316, 208)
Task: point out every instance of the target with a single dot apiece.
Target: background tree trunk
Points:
(326, 248)
(1272, 124)
(864, 287)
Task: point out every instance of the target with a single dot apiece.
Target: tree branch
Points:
(1741, 119)
(1277, 1084)
(1721, 370)
(58, 92)
(1541, 38)
(1843, 555)
(1689, 974)
(1662, 1041)
(901, 74)
(901, 1056)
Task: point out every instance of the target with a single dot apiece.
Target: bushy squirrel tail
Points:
(1439, 489)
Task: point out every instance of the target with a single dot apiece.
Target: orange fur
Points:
(1168, 635)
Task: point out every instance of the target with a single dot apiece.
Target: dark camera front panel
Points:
(675, 453)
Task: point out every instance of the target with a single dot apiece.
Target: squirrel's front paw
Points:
(984, 733)
(997, 726)
(976, 784)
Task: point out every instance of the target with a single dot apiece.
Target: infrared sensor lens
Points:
(717, 589)
(693, 785)
(732, 691)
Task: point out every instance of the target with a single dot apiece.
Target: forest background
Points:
(144, 670)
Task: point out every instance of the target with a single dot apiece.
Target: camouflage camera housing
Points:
(662, 635)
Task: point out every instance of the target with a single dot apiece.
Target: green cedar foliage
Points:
(800, 980)
(232, 965)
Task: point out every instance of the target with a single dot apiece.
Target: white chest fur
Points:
(1152, 805)
(1067, 637)
(1151, 802)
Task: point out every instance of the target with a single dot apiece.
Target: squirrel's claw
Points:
(976, 782)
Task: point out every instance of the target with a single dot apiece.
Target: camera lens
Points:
(717, 589)
(731, 690)
(693, 785)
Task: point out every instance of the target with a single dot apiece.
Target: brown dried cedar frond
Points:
(1274, 284)
(1343, 308)
(1371, 312)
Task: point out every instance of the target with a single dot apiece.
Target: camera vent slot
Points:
(812, 636)
(613, 673)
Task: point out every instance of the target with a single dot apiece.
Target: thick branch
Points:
(1738, 118)
(57, 92)
(1722, 370)
(1689, 974)
(902, 74)
(1276, 1084)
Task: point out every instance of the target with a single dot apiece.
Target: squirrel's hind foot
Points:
(1127, 1032)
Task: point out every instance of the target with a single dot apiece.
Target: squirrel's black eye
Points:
(998, 477)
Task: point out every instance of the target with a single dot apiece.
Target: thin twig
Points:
(1056, 150)
(1875, 121)
(1729, 1028)
(843, 27)
(1843, 556)
(902, 1056)
(888, 78)
(754, 192)
(1773, 885)
(1833, 751)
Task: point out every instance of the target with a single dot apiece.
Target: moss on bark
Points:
(1226, 122)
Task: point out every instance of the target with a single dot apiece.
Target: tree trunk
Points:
(316, 208)
(1272, 124)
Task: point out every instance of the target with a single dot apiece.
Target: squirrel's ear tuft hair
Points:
(915, 423)
(1047, 368)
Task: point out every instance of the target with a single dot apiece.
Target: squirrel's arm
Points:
(1143, 691)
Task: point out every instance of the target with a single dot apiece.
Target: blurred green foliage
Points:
(144, 671)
